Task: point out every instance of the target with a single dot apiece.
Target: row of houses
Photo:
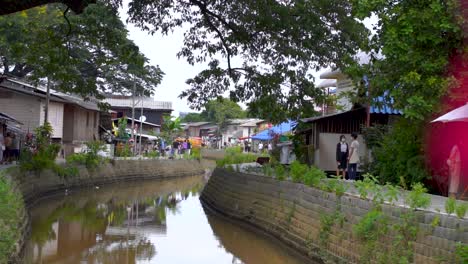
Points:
(73, 119)
(236, 129)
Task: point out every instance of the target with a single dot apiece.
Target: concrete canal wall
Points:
(36, 187)
(297, 215)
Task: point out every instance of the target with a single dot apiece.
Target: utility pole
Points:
(133, 115)
(141, 125)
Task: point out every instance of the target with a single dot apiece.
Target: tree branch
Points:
(9, 6)
(205, 13)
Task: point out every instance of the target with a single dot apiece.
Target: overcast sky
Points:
(162, 50)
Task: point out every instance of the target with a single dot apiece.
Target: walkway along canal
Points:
(153, 221)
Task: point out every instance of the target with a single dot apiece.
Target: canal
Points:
(159, 221)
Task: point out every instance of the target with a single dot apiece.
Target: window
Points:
(87, 119)
(235, 128)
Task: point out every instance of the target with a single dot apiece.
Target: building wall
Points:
(344, 85)
(152, 116)
(80, 125)
(24, 108)
(85, 125)
(325, 154)
(68, 123)
(55, 117)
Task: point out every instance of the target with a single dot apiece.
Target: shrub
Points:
(267, 170)
(123, 150)
(461, 251)
(90, 158)
(280, 172)
(236, 158)
(450, 205)
(313, 176)
(152, 154)
(460, 209)
(369, 225)
(196, 153)
(298, 171)
(234, 150)
(418, 197)
(405, 166)
(43, 159)
(11, 206)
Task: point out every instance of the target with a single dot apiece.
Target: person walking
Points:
(189, 147)
(353, 158)
(342, 153)
(260, 147)
(15, 148)
(8, 147)
(270, 147)
(175, 149)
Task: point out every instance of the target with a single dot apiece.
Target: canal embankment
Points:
(29, 188)
(334, 226)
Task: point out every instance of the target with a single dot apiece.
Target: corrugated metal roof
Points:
(252, 123)
(381, 106)
(148, 102)
(66, 98)
(197, 124)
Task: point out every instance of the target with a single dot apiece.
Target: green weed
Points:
(450, 205)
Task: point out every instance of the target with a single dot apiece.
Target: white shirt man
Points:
(260, 147)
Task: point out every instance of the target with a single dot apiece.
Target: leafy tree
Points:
(410, 52)
(221, 110)
(193, 117)
(409, 60)
(86, 54)
(277, 42)
(171, 128)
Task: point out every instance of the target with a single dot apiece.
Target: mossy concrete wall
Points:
(34, 187)
(292, 212)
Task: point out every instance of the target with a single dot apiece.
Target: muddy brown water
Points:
(159, 221)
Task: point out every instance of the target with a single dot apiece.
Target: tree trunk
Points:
(46, 107)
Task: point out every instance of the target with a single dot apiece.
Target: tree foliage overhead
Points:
(278, 43)
(410, 52)
(86, 54)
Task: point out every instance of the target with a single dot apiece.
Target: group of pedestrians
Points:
(347, 157)
(180, 148)
(9, 147)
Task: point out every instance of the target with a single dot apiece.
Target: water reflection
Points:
(150, 222)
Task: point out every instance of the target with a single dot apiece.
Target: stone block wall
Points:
(294, 213)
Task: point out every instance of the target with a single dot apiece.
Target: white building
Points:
(238, 129)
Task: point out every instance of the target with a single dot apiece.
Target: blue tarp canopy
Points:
(280, 129)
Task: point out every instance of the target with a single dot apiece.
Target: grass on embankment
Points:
(234, 155)
(11, 206)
